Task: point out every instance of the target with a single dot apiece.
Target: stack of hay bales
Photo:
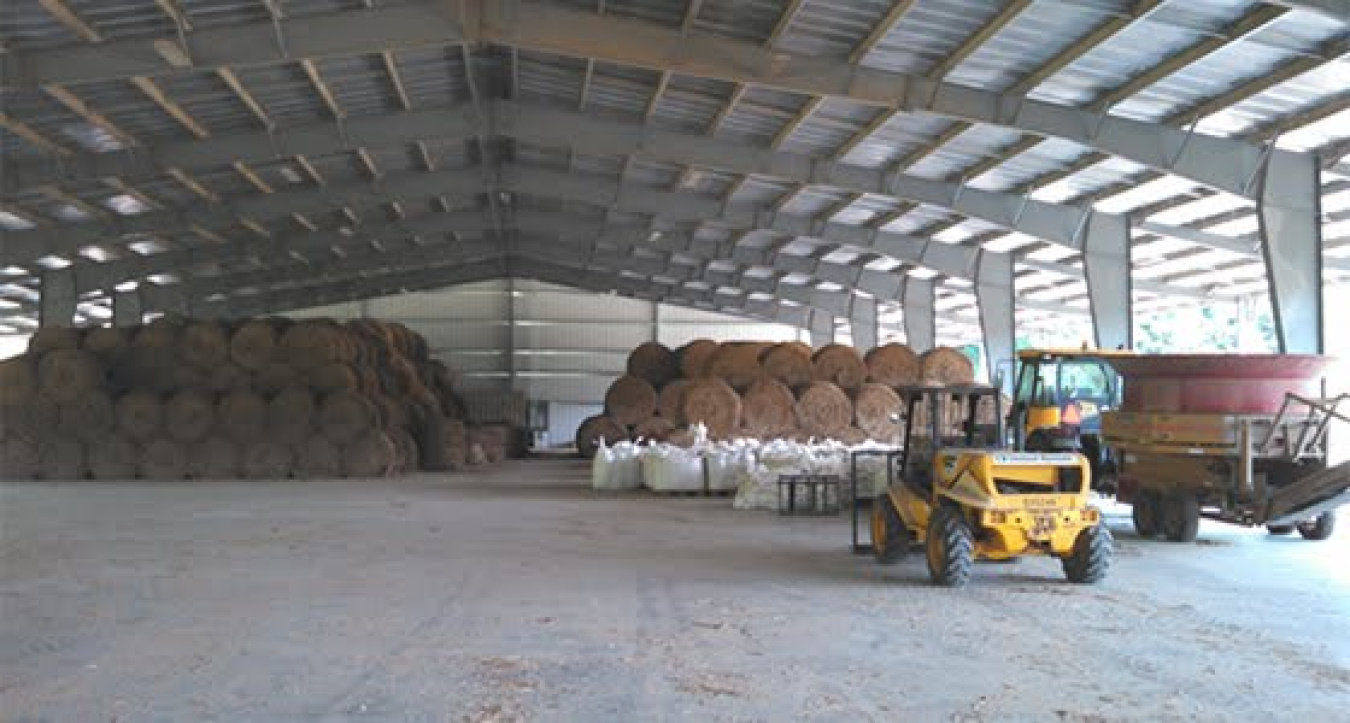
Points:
(260, 398)
(765, 390)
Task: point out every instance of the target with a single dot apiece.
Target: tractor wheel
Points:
(1279, 529)
(890, 539)
(1146, 513)
(1091, 556)
(1180, 517)
(951, 547)
(1318, 528)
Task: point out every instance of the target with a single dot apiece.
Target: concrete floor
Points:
(517, 594)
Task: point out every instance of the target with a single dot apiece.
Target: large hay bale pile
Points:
(266, 398)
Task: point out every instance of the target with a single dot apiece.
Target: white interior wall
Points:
(549, 342)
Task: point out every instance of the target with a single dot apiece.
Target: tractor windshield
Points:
(1078, 389)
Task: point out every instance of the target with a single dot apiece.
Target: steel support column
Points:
(821, 326)
(863, 322)
(994, 294)
(57, 298)
(1106, 267)
(127, 308)
(1289, 208)
(920, 313)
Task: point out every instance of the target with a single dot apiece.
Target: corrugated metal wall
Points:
(548, 343)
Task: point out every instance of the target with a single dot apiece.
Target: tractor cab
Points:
(1061, 395)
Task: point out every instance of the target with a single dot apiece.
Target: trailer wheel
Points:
(1181, 517)
(890, 539)
(1147, 510)
(1091, 556)
(1319, 528)
(951, 547)
(1279, 529)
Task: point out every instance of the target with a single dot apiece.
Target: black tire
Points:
(890, 538)
(1147, 513)
(1280, 529)
(1319, 528)
(1091, 556)
(1181, 517)
(950, 547)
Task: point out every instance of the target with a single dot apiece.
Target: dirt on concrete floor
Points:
(518, 594)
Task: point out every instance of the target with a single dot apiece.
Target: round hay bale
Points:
(344, 416)
(802, 347)
(945, 365)
(873, 406)
(66, 374)
(275, 377)
(242, 416)
(823, 410)
(88, 418)
(252, 345)
(113, 457)
(163, 459)
(215, 457)
(654, 362)
(592, 431)
(630, 400)
(695, 356)
(670, 400)
(388, 413)
(290, 415)
(203, 345)
(42, 418)
(189, 415)
(737, 364)
(182, 377)
(61, 458)
(894, 365)
(19, 458)
(840, 365)
(767, 409)
(52, 338)
(18, 377)
(713, 403)
(334, 377)
(144, 368)
(789, 364)
(852, 436)
(17, 418)
(311, 343)
(140, 415)
(228, 377)
(266, 459)
(371, 454)
(655, 429)
(159, 334)
(106, 342)
(406, 452)
(316, 457)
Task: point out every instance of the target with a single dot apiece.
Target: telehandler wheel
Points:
(1147, 510)
(1091, 556)
(1181, 517)
(950, 547)
(890, 539)
(1318, 528)
(1279, 529)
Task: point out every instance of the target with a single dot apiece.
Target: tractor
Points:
(1061, 397)
(967, 497)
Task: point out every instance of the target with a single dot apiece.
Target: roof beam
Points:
(1208, 160)
(157, 94)
(26, 132)
(284, 39)
(72, 22)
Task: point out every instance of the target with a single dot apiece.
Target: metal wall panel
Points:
(547, 305)
(460, 335)
(674, 335)
(581, 336)
(565, 417)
